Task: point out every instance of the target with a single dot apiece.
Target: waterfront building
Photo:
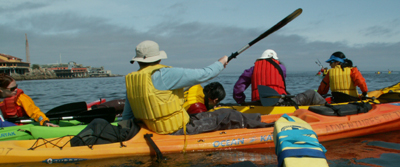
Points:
(74, 70)
(69, 70)
(13, 65)
(99, 72)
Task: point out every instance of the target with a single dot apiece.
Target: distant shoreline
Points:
(24, 77)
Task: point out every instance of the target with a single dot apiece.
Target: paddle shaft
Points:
(87, 116)
(276, 27)
(64, 118)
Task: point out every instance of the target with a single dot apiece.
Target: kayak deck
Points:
(382, 118)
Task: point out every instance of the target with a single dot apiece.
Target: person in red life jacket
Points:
(199, 100)
(17, 104)
(269, 71)
(342, 80)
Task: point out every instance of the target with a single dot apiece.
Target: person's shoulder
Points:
(169, 70)
(353, 68)
(23, 95)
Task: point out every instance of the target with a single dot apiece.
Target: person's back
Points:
(155, 91)
(267, 71)
(342, 79)
(163, 108)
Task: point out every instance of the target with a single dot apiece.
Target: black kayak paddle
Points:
(108, 114)
(389, 97)
(276, 27)
(67, 109)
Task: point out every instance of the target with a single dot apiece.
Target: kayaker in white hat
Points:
(269, 71)
(155, 94)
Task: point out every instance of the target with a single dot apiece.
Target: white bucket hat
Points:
(148, 51)
(269, 53)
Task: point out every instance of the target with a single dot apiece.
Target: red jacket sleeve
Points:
(197, 108)
(358, 79)
(324, 86)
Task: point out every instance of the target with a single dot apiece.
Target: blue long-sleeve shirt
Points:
(175, 78)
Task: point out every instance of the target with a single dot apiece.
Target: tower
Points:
(27, 49)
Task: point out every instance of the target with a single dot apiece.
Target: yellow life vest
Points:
(194, 95)
(160, 110)
(340, 81)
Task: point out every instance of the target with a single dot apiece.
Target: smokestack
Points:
(27, 49)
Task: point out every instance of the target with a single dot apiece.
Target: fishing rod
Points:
(319, 63)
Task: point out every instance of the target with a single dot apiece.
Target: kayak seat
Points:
(341, 110)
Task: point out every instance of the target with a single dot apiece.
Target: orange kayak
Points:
(381, 118)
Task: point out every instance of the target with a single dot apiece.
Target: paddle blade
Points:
(108, 114)
(276, 27)
(67, 109)
(268, 96)
(389, 97)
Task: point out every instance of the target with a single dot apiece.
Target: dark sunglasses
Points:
(13, 88)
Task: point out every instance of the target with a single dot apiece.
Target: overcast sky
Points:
(194, 34)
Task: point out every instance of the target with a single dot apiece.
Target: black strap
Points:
(276, 65)
(26, 131)
(335, 109)
(154, 146)
(362, 107)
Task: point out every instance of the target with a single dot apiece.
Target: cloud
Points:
(94, 41)
(25, 6)
(377, 31)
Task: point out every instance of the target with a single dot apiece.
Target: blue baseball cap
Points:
(333, 58)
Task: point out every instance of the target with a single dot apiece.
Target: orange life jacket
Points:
(265, 73)
(9, 106)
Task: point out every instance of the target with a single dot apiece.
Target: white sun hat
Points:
(148, 51)
(269, 53)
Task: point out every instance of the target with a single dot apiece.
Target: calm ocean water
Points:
(48, 94)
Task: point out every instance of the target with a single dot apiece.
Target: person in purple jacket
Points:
(274, 76)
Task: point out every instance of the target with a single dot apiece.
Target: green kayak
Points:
(35, 131)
